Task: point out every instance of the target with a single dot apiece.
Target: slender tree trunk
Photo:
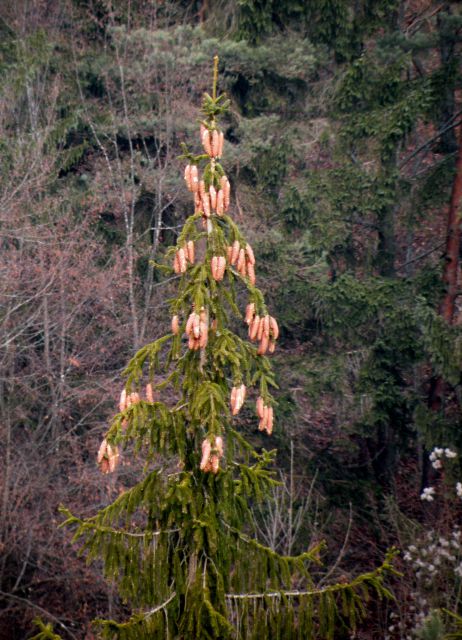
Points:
(451, 268)
(386, 249)
(202, 11)
(451, 257)
(451, 254)
(384, 455)
(386, 246)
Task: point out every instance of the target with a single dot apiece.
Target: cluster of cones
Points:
(127, 399)
(264, 412)
(264, 329)
(212, 452)
(215, 198)
(108, 455)
(211, 200)
(212, 141)
(266, 415)
(183, 256)
(218, 266)
(211, 455)
(197, 330)
(243, 259)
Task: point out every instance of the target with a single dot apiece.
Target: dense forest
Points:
(343, 149)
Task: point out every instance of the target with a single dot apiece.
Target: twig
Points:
(151, 612)
(421, 255)
(424, 16)
(451, 125)
(49, 615)
(122, 532)
(342, 551)
(287, 594)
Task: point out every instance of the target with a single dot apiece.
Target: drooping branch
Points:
(160, 607)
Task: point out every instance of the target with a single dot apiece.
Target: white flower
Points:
(407, 556)
(449, 453)
(437, 464)
(412, 548)
(432, 456)
(458, 570)
(438, 451)
(427, 494)
(459, 493)
(443, 542)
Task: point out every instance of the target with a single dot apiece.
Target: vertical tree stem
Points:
(451, 266)
(215, 77)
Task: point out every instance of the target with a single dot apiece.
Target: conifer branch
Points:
(87, 524)
(311, 556)
(287, 594)
(160, 607)
(373, 578)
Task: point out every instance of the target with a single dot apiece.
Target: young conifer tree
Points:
(178, 544)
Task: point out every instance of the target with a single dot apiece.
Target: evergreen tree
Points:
(179, 543)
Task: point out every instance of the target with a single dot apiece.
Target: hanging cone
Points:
(175, 325)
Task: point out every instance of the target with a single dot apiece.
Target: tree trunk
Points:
(451, 257)
(451, 268)
(386, 250)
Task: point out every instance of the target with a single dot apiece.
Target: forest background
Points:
(344, 156)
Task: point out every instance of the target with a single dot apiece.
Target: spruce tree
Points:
(179, 544)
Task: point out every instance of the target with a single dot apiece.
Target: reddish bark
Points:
(202, 11)
(451, 267)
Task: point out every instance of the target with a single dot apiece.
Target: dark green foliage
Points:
(336, 23)
(295, 210)
(270, 166)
